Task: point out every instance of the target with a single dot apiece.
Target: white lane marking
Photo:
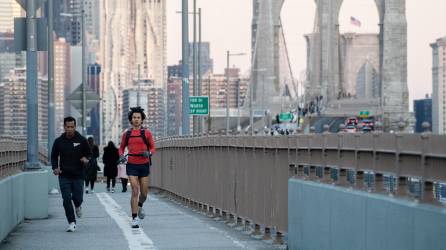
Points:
(199, 220)
(226, 235)
(136, 237)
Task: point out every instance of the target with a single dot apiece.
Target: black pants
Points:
(91, 182)
(113, 181)
(72, 192)
(124, 182)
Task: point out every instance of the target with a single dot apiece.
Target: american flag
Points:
(355, 21)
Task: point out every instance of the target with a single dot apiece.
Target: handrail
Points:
(246, 176)
(13, 155)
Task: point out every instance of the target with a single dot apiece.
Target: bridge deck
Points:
(106, 225)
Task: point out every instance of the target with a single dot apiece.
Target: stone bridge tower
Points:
(324, 67)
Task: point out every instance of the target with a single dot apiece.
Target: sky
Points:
(226, 24)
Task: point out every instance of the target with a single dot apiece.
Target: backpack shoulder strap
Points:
(144, 138)
(127, 136)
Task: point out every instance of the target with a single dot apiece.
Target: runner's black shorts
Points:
(140, 170)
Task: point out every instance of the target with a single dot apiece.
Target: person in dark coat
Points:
(69, 156)
(91, 173)
(110, 160)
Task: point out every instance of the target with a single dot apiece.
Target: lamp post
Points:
(51, 113)
(84, 75)
(266, 112)
(238, 104)
(251, 108)
(200, 122)
(194, 64)
(196, 67)
(228, 55)
(138, 94)
(32, 146)
(185, 67)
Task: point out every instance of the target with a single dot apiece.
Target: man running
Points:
(140, 146)
(69, 156)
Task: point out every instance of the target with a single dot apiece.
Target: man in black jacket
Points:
(69, 156)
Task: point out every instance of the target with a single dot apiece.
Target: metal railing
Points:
(245, 178)
(13, 155)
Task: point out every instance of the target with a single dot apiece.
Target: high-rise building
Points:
(216, 85)
(439, 86)
(92, 18)
(423, 112)
(13, 114)
(130, 99)
(43, 110)
(8, 10)
(61, 22)
(133, 36)
(174, 114)
(75, 71)
(7, 54)
(62, 78)
(156, 111)
(212, 85)
(151, 99)
(175, 71)
(206, 63)
(94, 128)
(8, 57)
(75, 22)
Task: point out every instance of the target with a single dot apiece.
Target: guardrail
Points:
(245, 178)
(13, 155)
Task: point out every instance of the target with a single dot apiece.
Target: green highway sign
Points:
(199, 105)
(364, 114)
(285, 117)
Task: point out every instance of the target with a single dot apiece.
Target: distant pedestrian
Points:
(110, 159)
(140, 145)
(91, 173)
(69, 156)
(122, 174)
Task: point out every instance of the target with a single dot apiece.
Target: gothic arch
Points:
(392, 53)
(367, 81)
(379, 6)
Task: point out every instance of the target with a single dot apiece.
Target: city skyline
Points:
(238, 28)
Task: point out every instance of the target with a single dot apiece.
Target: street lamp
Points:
(238, 104)
(51, 113)
(228, 55)
(251, 90)
(84, 77)
(196, 67)
(185, 67)
(266, 112)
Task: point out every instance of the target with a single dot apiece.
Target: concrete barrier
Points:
(23, 195)
(36, 194)
(12, 205)
(53, 181)
(322, 216)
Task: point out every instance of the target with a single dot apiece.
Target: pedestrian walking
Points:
(110, 159)
(69, 156)
(91, 173)
(140, 145)
(122, 175)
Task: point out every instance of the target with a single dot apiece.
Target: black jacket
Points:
(92, 168)
(110, 159)
(67, 154)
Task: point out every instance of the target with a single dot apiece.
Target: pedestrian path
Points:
(106, 225)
